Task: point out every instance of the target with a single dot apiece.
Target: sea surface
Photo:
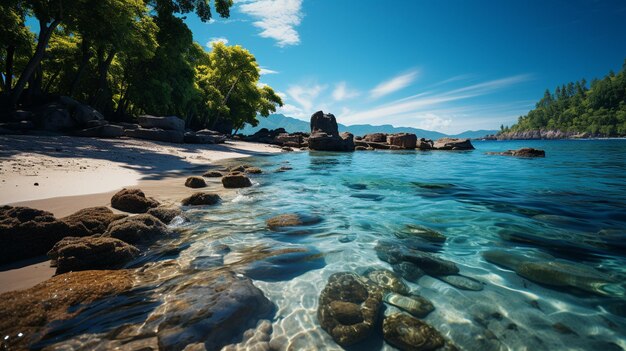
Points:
(565, 213)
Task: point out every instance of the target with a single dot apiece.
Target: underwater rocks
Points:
(201, 199)
(195, 182)
(279, 265)
(523, 152)
(86, 253)
(236, 180)
(410, 334)
(414, 304)
(348, 308)
(388, 281)
(421, 232)
(165, 214)
(462, 282)
(24, 314)
(142, 228)
(26, 232)
(408, 271)
(291, 220)
(430, 264)
(133, 201)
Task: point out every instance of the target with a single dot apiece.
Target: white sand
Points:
(69, 166)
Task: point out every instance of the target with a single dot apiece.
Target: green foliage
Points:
(599, 110)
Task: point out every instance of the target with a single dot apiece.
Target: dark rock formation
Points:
(375, 137)
(236, 180)
(169, 136)
(523, 152)
(403, 140)
(541, 134)
(95, 220)
(212, 174)
(201, 199)
(133, 201)
(204, 136)
(253, 170)
(410, 334)
(325, 135)
(167, 123)
(392, 253)
(388, 281)
(165, 214)
(27, 312)
(425, 144)
(195, 182)
(453, 144)
(143, 228)
(55, 117)
(80, 254)
(348, 308)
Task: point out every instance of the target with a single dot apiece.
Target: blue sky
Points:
(441, 65)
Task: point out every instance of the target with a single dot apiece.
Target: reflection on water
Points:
(525, 253)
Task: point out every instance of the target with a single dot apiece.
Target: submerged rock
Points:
(511, 259)
(415, 305)
(24, 314)
(236, 180)
(430, 264)
(281, 264)
(133, 201)
(523, 152)
(165, 214)
(80, 254)
(388, 281)
(143, 228)
(408, 333)
(195, 182)
(343, 295)
(462, 282)
(94, 219)
(291, 220)
(408, 271)
(412, 230)
(200, 199)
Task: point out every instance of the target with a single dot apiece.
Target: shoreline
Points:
(168, 188)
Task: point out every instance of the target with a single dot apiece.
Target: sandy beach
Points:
(74, 173)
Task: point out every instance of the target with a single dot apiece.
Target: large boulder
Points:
(375, 137)
(169, 136)
(143, 228)
(83, 114)
(27, 232)
(403, 140)
(165, 214)
(348, 308)
(324, 123)
(56, 117)
(236, 180)
(133, 201)
(95, 220)
(80, 254)
(292, 140)
(201, 199)
(425, 144)
(167, 123)
(24, 314)
(205, 136)
(453, 144)
(291, 220)
(323, 142)
(195, 182)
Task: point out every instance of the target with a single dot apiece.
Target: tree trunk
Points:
(103, 69)
(8, 82)
(51, 80)
(45, 32)
(217, 118)
(81, 69)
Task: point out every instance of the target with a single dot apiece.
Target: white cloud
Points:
(215, 40)
(394, 84)
(277, 19)
(292, 111)
(342, 92)
(264, 71)
(305, 95)
(431, 121)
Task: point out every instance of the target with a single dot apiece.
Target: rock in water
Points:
(453, 144)
(200, 199)
(236, 180)
(133, 201)
(523, 152)
(212, 174)
(421, 232)
(462, 282)
(411, 334)
(408, 271)
(338, 303)
(291, 220)
(403, 140)
(388, 281)
(142, 228)
(430, 264)
(165, 214)
(95, 219)
(325, 134)
(415, 305)
(195, 182)
(80, 254)
(511, 259)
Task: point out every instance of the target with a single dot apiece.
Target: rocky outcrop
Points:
(165, 214)
(95, 220)
(55, 117)
(541, 134)
(201, 199)
(375, 137)
(425, 144)
(325, 134)
(290, 140)
(195, 182)
(143, 228)
(236, 180)
(27, 232)
(133, 201)
(453, 144)
(410, 334)
(24, 314)
(167, 123)
(523, 152)
(204, 136)
(402, 140)
(348, 308)
(169, 136)
(86, 253)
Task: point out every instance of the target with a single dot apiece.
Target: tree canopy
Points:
(599, 109)
(129, 57)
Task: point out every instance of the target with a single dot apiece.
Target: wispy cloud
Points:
(394, 84)
(214, 40)
(342, 92)
(292, 111)
(277, 19)
(305, 95)
(264, 71)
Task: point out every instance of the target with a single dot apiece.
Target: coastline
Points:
(66, 189)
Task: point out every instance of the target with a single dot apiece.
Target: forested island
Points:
(124, 59)
(576, 110)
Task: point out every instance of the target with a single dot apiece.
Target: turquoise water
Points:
(567, 209)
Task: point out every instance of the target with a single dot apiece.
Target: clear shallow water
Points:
(570, 205)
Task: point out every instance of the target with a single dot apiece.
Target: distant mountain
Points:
(293, 125)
